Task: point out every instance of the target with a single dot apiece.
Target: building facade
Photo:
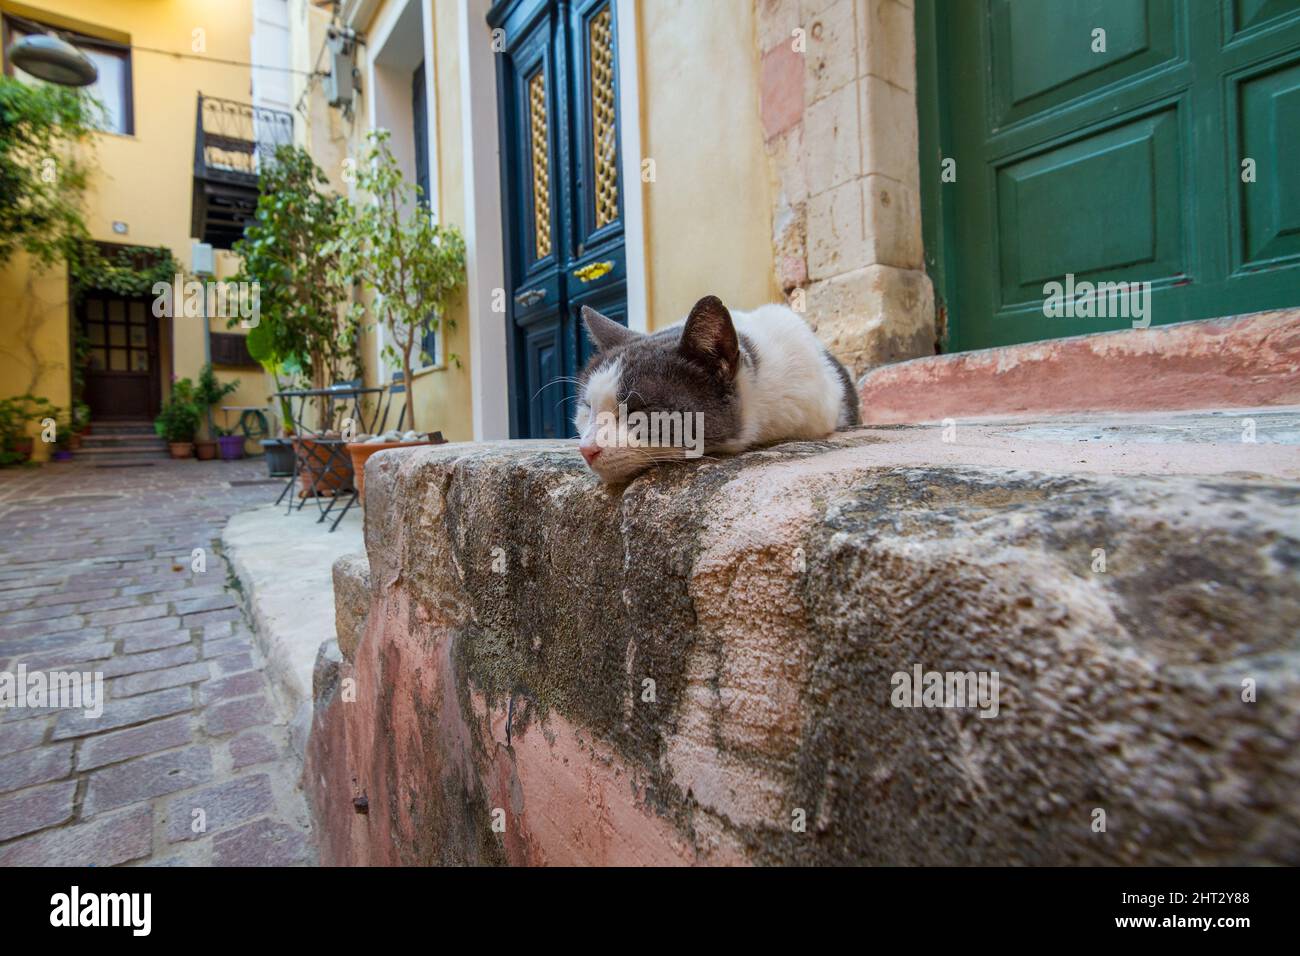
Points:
(911, 176)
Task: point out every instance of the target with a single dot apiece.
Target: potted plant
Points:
(307, 335)
(63, 435)
(80, 423)
(209, 392)
(15, 443)
(178, 420)
(392, 246)
(361, 450)
(16, 415)
(231, 444)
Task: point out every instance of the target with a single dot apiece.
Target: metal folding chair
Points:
(325, 457)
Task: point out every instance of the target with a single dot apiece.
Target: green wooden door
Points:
(1114, 141)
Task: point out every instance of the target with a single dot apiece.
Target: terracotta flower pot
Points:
(320, 471)
(205, 450)
(181, 449)
(361, 452)
(74, 441)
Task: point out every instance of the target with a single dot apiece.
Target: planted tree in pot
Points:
(306, 334)
(391, 245)
(178, 420)
(304, 329)
(208, 392)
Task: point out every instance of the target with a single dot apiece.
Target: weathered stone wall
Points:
(516, 610)
(838, 103)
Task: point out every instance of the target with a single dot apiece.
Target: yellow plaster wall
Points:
(708, 214)
(143, 179)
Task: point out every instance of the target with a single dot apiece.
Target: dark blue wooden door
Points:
(562, 200)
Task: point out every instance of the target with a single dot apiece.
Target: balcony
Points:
(233, 143)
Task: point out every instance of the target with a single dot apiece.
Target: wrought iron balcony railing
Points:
(233, 141)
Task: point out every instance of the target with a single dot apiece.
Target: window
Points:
(429, 345)
(112, 60)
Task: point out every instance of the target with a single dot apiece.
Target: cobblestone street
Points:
(189, 762)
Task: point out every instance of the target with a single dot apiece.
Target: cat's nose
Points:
(589, 452)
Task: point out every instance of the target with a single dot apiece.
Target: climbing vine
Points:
(127, 270)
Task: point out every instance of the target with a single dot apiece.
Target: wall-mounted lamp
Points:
(52, 58)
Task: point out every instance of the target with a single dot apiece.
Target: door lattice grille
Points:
(537, 131)
(603, 137)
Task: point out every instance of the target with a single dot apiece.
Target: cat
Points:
(742, 381)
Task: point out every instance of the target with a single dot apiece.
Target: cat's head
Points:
(681, 383)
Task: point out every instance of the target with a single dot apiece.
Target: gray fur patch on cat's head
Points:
(687, 369)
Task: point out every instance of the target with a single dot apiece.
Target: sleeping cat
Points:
(748, 380)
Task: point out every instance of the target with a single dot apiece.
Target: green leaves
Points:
(391, 245)
(210, 390)
(42, 178)
(178, 420)
(289, 249)
(132, 270)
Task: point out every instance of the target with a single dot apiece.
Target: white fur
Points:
(790, 392)
(795, 392)
(601, 396)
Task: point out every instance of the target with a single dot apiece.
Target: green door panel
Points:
(1270, 135)
(1248, 14)
(1042, 52)
(1122, 165)
(1050, 221)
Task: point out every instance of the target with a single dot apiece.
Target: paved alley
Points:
(117, 572)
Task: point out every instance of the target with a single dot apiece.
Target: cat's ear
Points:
(710, 339)
(604, 331)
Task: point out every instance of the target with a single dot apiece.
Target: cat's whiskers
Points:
(558, 380)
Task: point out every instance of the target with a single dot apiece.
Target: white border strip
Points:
(629, 112)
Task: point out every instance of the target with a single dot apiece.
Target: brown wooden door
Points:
(122, 379)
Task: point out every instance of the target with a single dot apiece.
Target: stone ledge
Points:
(1239, 362)
(284, 562)
(770, 598)
(351, 600)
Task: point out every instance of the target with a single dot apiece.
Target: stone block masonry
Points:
(838, 102)
(704, 667)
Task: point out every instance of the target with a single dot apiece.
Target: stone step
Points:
(127, 450)
(126, 427)
(96, 440)
(1240, 362)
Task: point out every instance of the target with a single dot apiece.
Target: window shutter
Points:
(231, 349)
